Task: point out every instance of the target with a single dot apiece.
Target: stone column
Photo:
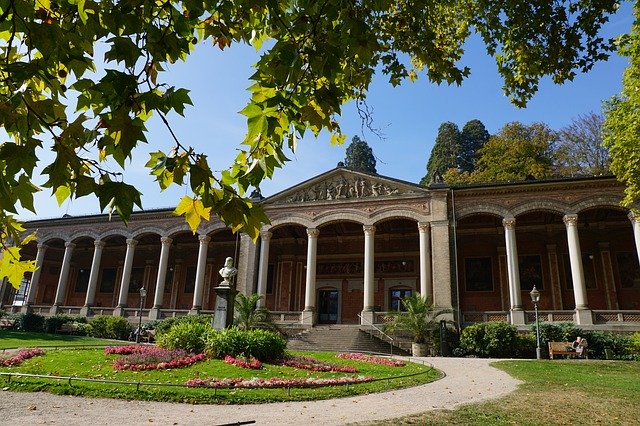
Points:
(247, 276)
(158, 297)
(93, 277)
(441, 261)
(369, 273)
(426, 287)
(265, 238)
(513, 271)
(607, 275)
(35, 278)
(64, 277)
(200, 270)
(583, 313)
(554, 274)
(309, 313)
(126, 277)
(635, 222)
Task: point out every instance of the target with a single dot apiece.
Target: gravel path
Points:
(467, 380)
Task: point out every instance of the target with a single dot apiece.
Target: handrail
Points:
(391, 339)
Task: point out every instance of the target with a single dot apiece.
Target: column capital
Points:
(99, 244)
(509, 222)
(369, 229)
(424, 227)
(313, 232)
(131, 242)
(166, 241)
(69, 245)
(204, 239)
(570, 219)
(266, 235)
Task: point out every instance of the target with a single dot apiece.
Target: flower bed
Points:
(124, 350)
(250, 362)
(374, 359)
(139, 358)
(275, 382)
(308, 363)
(22, 355)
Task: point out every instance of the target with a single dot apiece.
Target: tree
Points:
(444, 155)
(516, 152)
(473, 137)
(318, 56)
(579, 150)
(622, 126)
(247, 314)
(359, 156)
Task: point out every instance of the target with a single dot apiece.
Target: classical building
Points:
(345, 247)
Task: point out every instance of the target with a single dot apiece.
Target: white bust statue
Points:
(228, 271)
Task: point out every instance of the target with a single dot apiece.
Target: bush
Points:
(556, 332)
(53, 323)
(30, 322)
(109, 327)
(634, 343)
(600, 340)
(165, 325)
(262, 344)
(490, 339)
(190, 336)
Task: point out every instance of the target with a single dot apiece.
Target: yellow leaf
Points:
(13, 268)
(193, 211)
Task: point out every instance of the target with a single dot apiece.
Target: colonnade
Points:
(426, 270)
(123, 294)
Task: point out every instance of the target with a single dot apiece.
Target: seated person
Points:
(579, 345)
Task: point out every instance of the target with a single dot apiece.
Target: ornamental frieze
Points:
(344, 188)
(357, 268)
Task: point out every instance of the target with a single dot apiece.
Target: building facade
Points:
(345, 247)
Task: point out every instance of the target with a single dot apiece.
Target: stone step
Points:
(340, 339)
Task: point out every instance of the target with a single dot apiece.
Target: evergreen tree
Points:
(360, 156)
(444, 154)
(474, 135)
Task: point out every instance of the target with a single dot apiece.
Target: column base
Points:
(367, 317)
(154, 313)
(195, 310)
(518, 317)
(55, 310)
(119, 311)
(583, 317)
(26, 308)
(85, 311)
(308, 317)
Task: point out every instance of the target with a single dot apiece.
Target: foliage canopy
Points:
(56, 93)
(359, 156)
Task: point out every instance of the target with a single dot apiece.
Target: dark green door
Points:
(328, 306)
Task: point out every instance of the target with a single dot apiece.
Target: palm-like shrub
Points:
(247, 314)
(420, 318)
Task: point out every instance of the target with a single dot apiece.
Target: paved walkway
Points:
(467, 380)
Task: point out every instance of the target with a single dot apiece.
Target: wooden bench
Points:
(68, 328)
(6, 323)
(561, 348)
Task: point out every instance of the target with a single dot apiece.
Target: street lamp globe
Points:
(535, 295)
(143, 292)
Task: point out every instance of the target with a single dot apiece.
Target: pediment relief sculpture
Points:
(342, 188)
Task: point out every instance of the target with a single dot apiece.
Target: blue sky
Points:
(409, 117)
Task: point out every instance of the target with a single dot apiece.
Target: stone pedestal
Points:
(85, 311)
(308, 317)
(518, 317)
(55, 310)
(583, 317)
(225, 298)
(154, 313)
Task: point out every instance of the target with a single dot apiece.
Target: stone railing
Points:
(473, 317)
(609, 317)
(285, 317)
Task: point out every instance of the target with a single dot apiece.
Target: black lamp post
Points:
(535, 298)
(143, 294)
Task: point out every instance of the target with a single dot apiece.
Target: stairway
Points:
(336, 338)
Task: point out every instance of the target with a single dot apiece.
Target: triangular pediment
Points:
(345, 184)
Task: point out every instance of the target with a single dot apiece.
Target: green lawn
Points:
(93, 363)
(22, 339)
(554, 392)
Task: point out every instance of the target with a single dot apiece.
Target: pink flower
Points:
(308, 363)
(18, 358)
(139, 358)
(250, 362)
(276, 382)
(374, 359)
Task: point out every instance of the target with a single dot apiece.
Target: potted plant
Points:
(420, 318)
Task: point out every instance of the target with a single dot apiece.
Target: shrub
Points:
(109, 327)
(634, 343)
(30, 322)
(53, 323)
(264, 345)
(166, 324)
(189, 336)
(490, 339)
(600, 340)
(556, 332)
(526, 345)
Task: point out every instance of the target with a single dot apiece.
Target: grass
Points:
(93, 363)
(554, 392)
(23, 339)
